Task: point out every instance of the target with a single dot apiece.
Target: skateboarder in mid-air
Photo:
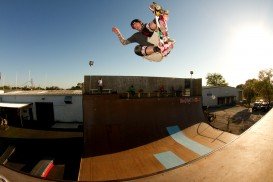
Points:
(146, 31)
(141, 37)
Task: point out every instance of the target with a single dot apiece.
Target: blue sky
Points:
(53, 40)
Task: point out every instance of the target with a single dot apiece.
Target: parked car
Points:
(242, 102)
(261, 106)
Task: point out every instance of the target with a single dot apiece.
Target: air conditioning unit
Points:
(68, 99)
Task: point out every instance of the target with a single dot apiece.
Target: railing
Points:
(132, 95)
(97, 91)
(129, 95)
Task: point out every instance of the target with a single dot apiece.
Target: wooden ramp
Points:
(129, 138)
(247, 158)
(113, 124)
(23, 133)
(177, 149)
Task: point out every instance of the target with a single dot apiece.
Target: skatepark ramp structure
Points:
(112, 124)
(128, 137)
(247, 158)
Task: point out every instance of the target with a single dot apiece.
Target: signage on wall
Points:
(186, 100)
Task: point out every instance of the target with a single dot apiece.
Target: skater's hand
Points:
(116, 30)
(120, 37)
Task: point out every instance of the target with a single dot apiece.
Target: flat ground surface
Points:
(235, 119)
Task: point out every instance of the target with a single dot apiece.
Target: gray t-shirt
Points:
(139, 38)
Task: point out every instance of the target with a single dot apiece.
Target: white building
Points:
(221, 95)
(43, 105)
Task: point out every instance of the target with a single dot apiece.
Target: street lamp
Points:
(91, 63)
(191, 91)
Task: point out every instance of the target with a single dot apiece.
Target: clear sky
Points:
(53, 40)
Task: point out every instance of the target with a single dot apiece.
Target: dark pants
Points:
(100, 89)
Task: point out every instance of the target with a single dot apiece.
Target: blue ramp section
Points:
(169, 159)
(181, 138)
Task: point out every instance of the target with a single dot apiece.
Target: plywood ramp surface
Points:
(247, 158)
(13, 132)
(150, 158)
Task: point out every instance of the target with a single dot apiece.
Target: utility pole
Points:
(191, 87)
(16, 82)
(91, 63)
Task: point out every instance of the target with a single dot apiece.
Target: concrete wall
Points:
(210, 95)
(148, 84)
(62, 111)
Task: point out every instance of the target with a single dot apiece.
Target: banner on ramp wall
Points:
(189, 100)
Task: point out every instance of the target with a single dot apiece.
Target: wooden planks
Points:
(14, 132)
(141, 160)
(247, 158)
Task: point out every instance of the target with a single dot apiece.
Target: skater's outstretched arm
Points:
(120, 36)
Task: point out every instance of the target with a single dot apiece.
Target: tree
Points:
(249, 90)
(265, 84)
(78, 87)
(241, 86)
(53, 88)
(215, 79)
(5, 87)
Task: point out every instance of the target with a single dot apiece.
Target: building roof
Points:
(211, 87)
(207, 87)
(14, 105)
(44, 92)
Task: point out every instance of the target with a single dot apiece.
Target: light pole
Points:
(91, 63)
(191, 72)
